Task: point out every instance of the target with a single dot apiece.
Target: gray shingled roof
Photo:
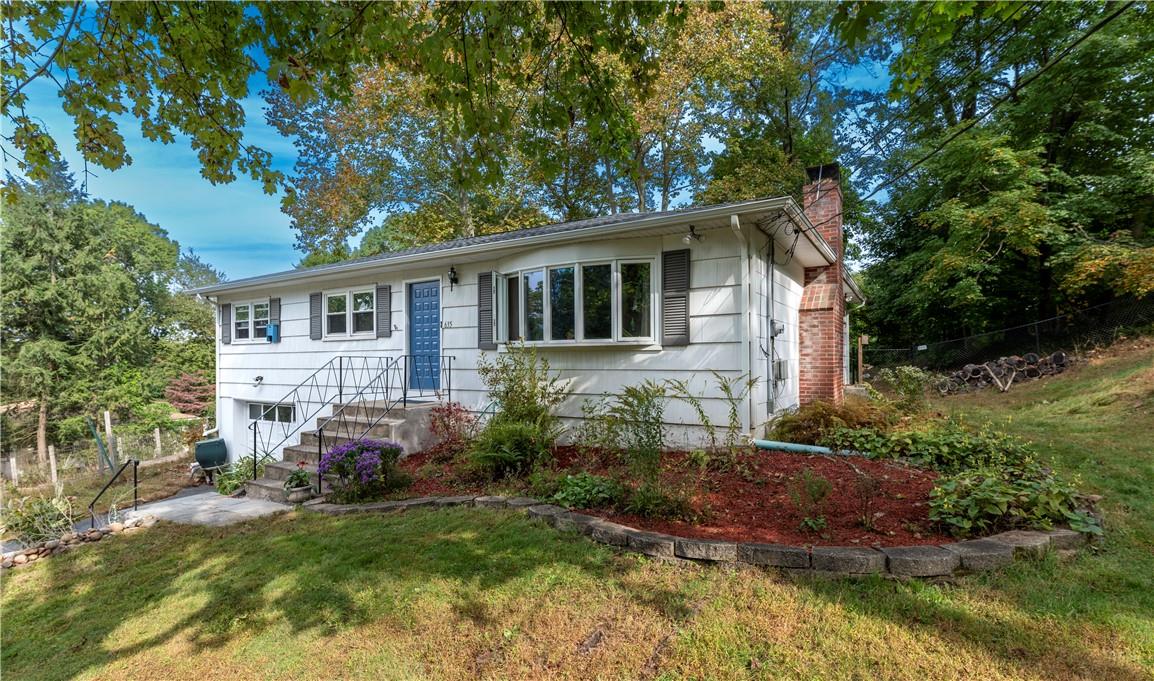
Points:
(622, 219)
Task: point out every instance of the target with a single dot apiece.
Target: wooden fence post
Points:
(108, 437)
(159, 446)
(52, 464)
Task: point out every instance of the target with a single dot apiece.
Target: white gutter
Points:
(784, 203)
(747, 321)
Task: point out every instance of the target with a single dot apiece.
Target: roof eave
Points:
(642, 223)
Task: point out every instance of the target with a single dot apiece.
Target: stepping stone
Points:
(921, 561)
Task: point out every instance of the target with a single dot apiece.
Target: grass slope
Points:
(474, 593)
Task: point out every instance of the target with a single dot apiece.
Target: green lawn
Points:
(475, 593)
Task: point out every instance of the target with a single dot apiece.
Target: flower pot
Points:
(297, 495)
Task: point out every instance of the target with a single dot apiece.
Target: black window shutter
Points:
(675, 297)
(384, 311)
(316, 319)
(274, 315)
(226, 323)
(514, 326)
(485, 311)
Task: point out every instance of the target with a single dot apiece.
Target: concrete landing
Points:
(208, 508)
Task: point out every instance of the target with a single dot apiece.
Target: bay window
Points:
(594, 302)
(350, 313)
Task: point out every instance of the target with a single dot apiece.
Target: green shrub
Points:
(991, 499)
(910, 386)
(586, 490)
(649, 501)
(810, 423)
(522, 385)
(947, 447)
(506, 448)
(637, 417)
(233, 478)
(543, 482)
(809, 492)
(37, 519)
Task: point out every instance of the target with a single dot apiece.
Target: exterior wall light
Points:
(452, 277)
(690, 236)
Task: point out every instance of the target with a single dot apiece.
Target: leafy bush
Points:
(947, 447)
(233, 478)
(734, 390)
(637, 418)
(521, 384)
(991, 499)
(586, 490)
(650, 501)
(910, 386)
(810, 423)
(453, 426)
(506, 448)
(298, 478)
(365, 469)
(543, 482)
(809, 492)
(37, 519)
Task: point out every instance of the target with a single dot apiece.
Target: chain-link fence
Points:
(1073, 332)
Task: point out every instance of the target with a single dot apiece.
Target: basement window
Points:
(277, 413)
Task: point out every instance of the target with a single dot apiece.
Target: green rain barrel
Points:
(211, 453)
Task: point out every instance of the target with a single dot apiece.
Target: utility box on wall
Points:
(272, 334)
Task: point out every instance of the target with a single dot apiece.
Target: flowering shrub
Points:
(453, 426)
(365, 469)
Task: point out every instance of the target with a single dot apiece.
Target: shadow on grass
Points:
(1047, 619)
(307, 571)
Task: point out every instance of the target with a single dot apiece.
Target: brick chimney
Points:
(822, 314)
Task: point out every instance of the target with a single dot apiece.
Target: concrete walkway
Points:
(208, 508)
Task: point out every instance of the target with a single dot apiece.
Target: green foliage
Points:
(586, 490)
(947, 446)
(452, 426)
(989, 499)
(507, 448)
(637, 417)
(231, 479)
(37, 519)
(911, 385)
(649, 501)
(809, 492)
(299, 477)
(522, 385)
(810, 423)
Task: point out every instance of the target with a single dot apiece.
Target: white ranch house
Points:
(753, 288)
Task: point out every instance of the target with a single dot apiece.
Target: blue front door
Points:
(425, 336)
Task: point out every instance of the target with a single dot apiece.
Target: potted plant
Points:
(298, 486)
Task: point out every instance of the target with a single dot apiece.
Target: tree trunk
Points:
(638, 173)
(42, 432)
(467, 228)
(610, 180)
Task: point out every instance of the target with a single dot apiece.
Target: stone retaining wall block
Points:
(490, 502)
(773, 555)
(977, 555)
(1024, 542)
(650, 543)
(849, 559)
(706, 549)
(921, 561)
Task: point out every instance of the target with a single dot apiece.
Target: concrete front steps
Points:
(408, 426)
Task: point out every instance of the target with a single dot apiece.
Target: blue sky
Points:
(235, 227)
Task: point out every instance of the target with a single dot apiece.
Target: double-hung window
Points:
(250, 321)
(583, 302)
(350, 313)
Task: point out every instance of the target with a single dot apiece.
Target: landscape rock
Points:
(848, 560)
(774, 555)
(978, 555)
(921, 561)
(651, 543)
(1025, 542)
(706, 549)
(545, 511)
(20, 559)
(1066, 539)
(68, 537)
(116, 527)
(6, 563)
(490, 502)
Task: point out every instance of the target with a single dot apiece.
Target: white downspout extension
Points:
(747, 323)
(216, 363)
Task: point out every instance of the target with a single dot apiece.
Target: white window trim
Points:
(348, 293)
(579, 304)
(251, 305)
(264, 407)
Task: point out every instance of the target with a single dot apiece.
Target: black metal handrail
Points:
(135, 489)
(409, 377)
(324, 387)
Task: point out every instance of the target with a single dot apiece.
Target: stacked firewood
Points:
(1004, 372)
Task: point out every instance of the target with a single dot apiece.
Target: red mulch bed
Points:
(754, 506)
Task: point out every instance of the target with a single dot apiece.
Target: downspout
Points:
(216, 363)
(746, 327)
